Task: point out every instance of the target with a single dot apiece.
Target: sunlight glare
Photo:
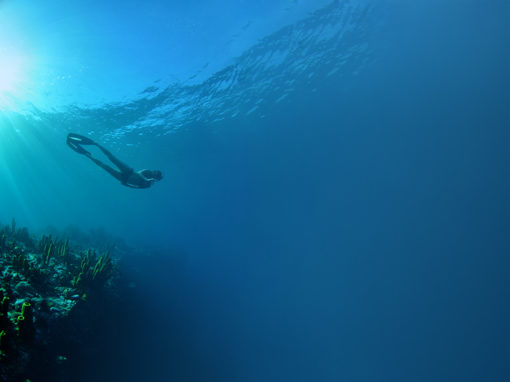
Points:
(12, 68)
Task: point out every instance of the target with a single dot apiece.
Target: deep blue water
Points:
(335, 204)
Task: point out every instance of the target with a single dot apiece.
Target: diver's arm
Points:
(147, 175)
(132, 185)
(137, 180)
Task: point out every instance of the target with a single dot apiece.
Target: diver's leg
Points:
(116, 174)
(122, 166)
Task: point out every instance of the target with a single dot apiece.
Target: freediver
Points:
(125, 174)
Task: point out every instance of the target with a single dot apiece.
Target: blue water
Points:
(336, 199)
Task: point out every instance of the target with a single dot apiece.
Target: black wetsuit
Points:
(125, 174)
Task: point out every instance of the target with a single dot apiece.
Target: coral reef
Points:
(42, 281)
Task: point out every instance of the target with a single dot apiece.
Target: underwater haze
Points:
(336, 195)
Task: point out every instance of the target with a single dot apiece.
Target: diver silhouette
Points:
(125, 174)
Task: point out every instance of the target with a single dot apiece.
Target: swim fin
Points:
(75, 141)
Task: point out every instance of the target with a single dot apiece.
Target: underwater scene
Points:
(255, 191)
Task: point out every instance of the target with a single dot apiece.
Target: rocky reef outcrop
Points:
(48, 286)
